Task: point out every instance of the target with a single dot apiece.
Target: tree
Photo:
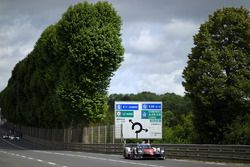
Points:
(217, 76)
(64, 80)
(181, 133)
(90, 36)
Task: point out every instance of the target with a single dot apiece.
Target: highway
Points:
(25, 154)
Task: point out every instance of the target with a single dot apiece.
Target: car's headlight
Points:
(139, 151)
(162, 151)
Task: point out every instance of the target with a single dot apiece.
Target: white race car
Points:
(128, 149)
(14, 137)
(141, 151)
(5, 136)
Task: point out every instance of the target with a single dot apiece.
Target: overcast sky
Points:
(157, 36)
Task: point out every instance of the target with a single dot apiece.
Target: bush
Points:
(239, 131)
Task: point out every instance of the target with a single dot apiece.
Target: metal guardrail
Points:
(100, 148)
(222, 153)
(225, 153)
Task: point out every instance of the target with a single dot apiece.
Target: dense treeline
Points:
(63, 81)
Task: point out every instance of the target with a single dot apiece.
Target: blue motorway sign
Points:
(127, 106)
(151, 106)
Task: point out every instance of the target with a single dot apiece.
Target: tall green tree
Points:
(64, 80)
(217, 76)
(89, 34)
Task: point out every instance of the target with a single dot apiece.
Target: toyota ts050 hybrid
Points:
(140, 151)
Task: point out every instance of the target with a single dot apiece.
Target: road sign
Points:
(142, 120)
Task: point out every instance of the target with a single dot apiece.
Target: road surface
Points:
(25, 154)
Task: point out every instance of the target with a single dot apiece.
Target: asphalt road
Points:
(25, 154)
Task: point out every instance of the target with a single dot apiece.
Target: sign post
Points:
(138, 120)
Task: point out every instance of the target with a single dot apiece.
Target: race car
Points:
(127, 149)
(14, 137)
(5, 136)
(143, 151)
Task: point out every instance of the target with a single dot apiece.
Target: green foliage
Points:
(182, 133)
(239, 131)
(168, 117)
(217, 77)
(64, 80)
(177, 105)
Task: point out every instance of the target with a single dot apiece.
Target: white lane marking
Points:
(22, 148)
(114, 155)
(3, 152)
(30, 158)
(76, 152)
(51, 163)
(97, 158)
(210, 163)
(59, 154)
(216, 163)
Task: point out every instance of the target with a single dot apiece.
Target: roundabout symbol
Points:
(139, 127)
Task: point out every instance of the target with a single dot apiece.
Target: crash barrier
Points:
(225, 153)
(222, 153)
(97, 148)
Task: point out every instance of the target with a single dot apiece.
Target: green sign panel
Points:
(124, 113)
(151, 114)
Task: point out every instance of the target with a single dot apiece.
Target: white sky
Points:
(157, 36)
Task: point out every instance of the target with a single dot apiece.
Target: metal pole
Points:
(121, 133)
(99, 135)
(63, 135)
(92, 135)
(105, 134)
(113, 134)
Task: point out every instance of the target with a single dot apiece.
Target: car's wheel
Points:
(124, 154)
(163, 158)
(132, 156)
